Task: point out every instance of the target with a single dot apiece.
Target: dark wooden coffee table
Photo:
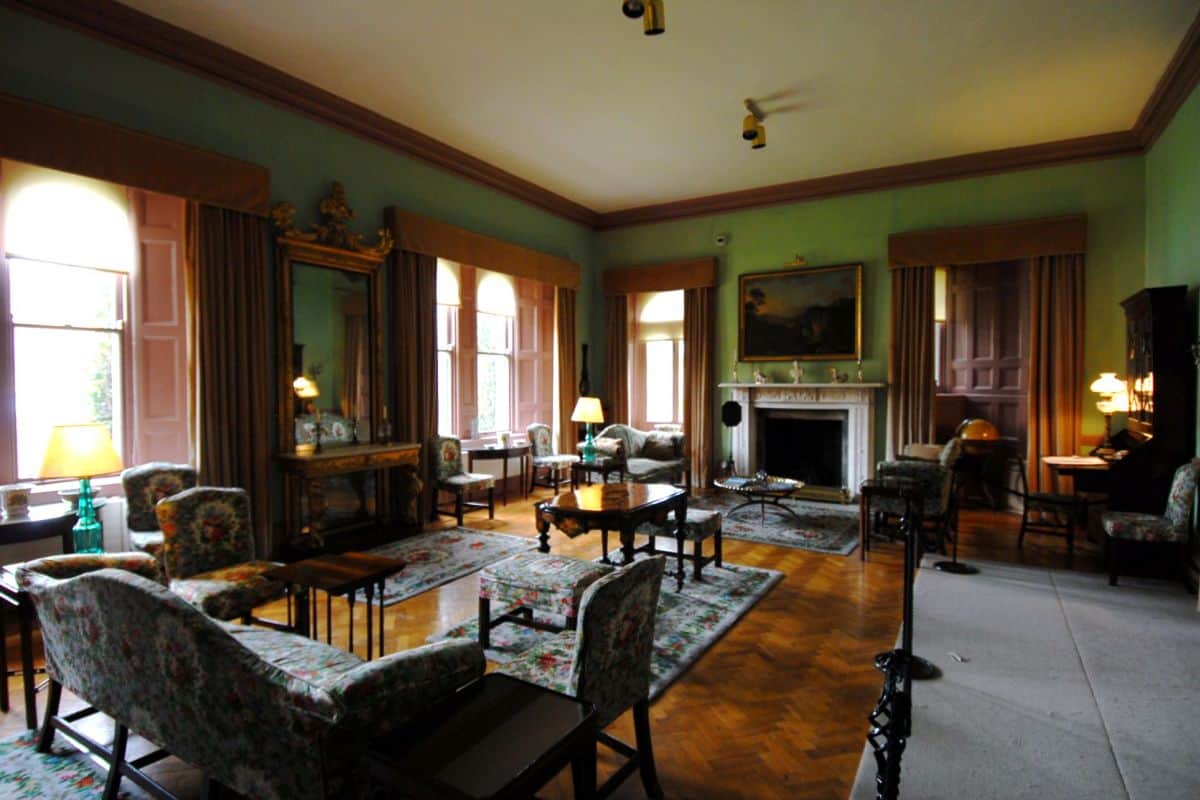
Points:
(336, 574)
(614, 506)
(497, 737)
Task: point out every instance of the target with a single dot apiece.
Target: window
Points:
(448, 301)
(80, 316)
(67, 303)
(658, 342)
(497, 308)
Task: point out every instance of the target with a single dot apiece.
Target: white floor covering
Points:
(1071, 689)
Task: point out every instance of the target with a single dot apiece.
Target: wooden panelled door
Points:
(987, 358)
(535, 353)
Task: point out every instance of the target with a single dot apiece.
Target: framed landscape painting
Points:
(805, 314)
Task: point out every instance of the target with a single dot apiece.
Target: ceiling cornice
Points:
(1174, 87)
(169, 44)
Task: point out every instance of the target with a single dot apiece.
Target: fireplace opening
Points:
(807, 446)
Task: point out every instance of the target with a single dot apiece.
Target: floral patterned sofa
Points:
(649, 456)
(267, 714)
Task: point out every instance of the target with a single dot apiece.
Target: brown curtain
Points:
(910, 365)
(699, 377)
(1055, 361)
(564, 334)
(356, 375)
(616, 358)
(412, 373)
(233, 371)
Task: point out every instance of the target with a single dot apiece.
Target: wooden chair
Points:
(1048, 512)
(1172, 528)
(554, 465)
(606, 661)
(449, 476)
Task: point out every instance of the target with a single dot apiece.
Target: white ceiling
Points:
(571, 95)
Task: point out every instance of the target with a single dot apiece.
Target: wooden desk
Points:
(520, 451)
(42, 522)
(497, 737)
(311, 468)
(614, 506)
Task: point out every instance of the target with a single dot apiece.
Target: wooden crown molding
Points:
(1174, 87)
(161, 41)
(148, 36)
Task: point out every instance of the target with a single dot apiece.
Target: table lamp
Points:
(588, 411)
(306, 389)
(1114, 396)
(82, 451)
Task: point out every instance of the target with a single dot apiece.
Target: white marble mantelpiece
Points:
(857, 400)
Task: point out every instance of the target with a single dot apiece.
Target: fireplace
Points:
(808, 445)
(820, 433)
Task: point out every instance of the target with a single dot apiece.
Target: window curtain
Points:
(699, 377)
(412, 373)
(356, 375)
(229, 309)
(910, 365)
(616, 360)
(1055, 361)
(564, 334)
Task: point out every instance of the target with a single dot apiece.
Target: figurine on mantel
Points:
(797, 372)
(759, 377)
(837, 377)
(858, 376)
(735, 372)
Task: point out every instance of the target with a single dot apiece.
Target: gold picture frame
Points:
(809, 314)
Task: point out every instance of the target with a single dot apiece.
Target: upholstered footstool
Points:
(542, 582)
(701, 524)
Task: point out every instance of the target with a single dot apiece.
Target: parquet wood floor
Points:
(777, 708)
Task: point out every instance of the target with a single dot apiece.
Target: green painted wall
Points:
(855, 228)
(1173, 203)
(59, 67)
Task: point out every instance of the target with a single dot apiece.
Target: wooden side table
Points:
(340, 574)
(497, 737)
(520, 451)
(602, 466)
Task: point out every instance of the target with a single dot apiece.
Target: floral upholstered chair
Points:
(145, 485)
(208, 552)
(606, 660)
(1171, 528)
(937, 481)
(541, 448)
(449, 476)
(267, 714)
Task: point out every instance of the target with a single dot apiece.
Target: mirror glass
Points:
(331, 354)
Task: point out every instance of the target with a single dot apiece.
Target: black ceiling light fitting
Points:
(654, 18)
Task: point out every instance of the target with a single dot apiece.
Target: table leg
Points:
(3, 658)
(25, 618)
(504, 477)
(329, 619)
(370, 633)
(864, 528)
(626, 543)
(543, 529)
(303, 623)
(680, 530)
(350, 602)
(583, 769)
(381, 638)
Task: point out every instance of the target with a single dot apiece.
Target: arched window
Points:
(496, 304)
(449, 298)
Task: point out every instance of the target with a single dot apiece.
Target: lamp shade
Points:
(79, 451)
(305, 388)
(1108, 383)
(587, 409)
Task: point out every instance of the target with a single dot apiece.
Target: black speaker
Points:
(731, 413)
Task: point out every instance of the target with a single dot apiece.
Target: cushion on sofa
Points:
(610, 448)
(659, 445)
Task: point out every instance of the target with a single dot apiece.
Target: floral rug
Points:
(439, 557)
(65, 774)
(824, 527)
(688, 622)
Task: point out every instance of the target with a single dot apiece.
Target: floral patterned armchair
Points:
(936, 479)
(145, 485)
(208, 552)
(1173, 527)
(541, 449)
(449, 476)
(265, 713)
(606, 661)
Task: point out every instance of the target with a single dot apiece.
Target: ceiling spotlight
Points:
(633, 8)
(749, 127)
(655, 21)
(760, 139)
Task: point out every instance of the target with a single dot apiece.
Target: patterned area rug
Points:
(66, 774)
(439, 557)
(823, 527)
(688, 622)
